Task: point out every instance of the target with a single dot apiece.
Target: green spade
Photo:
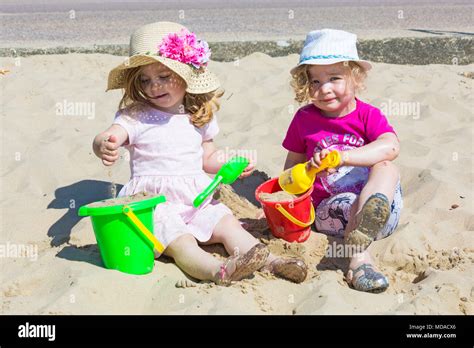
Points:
(228, 173)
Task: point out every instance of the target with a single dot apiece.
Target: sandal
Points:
(291, 269)
(372, 219)
(245, 265)
(369, 281)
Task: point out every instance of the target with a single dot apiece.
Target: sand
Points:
(279, 196)
(137, 197)
(53, 106)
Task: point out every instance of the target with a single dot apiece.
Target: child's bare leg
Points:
(230, 233)
(236, 239)
(383, 178)
(359, 259)
(362, 273)
(192, 259)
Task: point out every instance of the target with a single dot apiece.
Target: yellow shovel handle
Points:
(330, 161)
(131, 215)
(293, 219)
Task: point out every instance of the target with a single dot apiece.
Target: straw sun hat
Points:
(175, 47)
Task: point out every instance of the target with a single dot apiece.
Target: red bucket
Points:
(290, 220)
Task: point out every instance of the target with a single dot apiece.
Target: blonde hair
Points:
(201, 107)
(301, 82)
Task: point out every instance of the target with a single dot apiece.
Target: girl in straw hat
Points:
(167, 121)
(361, 199)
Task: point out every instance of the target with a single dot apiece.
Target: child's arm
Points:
(106, 144)
(213, 159)
(293, 158)
(385, 148)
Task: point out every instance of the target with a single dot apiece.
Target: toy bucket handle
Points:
(293, 219)
(127, 210)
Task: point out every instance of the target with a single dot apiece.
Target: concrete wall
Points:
(417, 51)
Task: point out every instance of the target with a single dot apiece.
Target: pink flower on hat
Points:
(185, 48)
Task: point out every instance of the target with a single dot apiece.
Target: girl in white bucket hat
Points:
(166, 119)
(361, 198)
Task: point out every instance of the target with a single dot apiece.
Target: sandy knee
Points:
(223, 225)
(180, 243)
(229, 219)
(387, 165)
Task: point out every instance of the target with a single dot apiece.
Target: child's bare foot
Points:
(185, 283)
(242, 266)
(292, 269)
(370, 221)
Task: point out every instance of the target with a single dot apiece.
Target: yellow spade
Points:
(299, 179)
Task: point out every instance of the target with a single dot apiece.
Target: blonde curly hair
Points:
(301, 83)
(201, 107)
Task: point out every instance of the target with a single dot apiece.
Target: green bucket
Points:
(124, 234)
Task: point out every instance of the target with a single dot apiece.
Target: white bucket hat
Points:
(330, 46)
(174, 46)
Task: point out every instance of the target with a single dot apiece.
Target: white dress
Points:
(166, 159)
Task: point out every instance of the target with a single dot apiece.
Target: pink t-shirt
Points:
(310, 131)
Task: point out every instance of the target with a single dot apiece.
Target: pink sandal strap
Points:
(222, 272)
(224, 278)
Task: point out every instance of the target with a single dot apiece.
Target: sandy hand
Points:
(248, 170)
(316, 162)
(109, 150)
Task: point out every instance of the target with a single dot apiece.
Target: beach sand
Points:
(53, 106)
